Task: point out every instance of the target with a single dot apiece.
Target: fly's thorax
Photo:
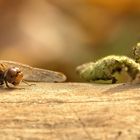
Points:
(2, 72)
(1, 77)
(13, 75)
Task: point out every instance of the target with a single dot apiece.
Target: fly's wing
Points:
(36, 74)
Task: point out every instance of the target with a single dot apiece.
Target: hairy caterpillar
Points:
(104, 68)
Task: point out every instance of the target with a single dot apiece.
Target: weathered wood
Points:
(70, 111)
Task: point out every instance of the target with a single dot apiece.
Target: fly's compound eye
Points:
(14, 76)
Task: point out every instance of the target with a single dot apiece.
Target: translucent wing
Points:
(36, 74)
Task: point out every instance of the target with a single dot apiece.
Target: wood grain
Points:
(70, 111)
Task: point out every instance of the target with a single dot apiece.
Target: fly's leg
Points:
(1, 83)
(6, 83)
(27, 83)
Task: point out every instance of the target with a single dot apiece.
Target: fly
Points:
(13, 73)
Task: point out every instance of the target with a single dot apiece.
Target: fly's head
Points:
(13, 76)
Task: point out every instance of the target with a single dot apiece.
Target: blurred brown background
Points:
(61, 34)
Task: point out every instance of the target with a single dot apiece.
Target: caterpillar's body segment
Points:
(104, 68)
(136, 52)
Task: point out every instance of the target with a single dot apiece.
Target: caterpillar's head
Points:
(136, 52)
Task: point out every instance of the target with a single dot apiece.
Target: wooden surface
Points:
(70, 111)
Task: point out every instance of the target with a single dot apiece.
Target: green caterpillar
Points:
(104, 68)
